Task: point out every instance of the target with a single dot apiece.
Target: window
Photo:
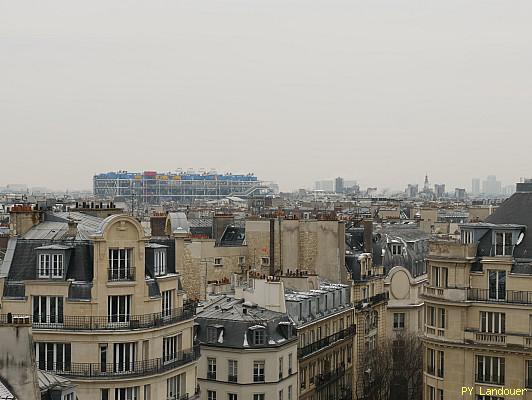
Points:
(490, 370)
(69, 396)
(171, 348)
(212, 334)
(496, 284)
(232, 368)
(103, 357)
(104, 394)
(492, 322)
(259, 396)
(431, 393)
(218, 261)
(232, 396)
(396, 248)
(167, 303)
(431, 316)
(281, 359)
(130, 393)
(431, 361)
(503, 243)
(528, 380)
(211, 368)
(265, 261)
(440, 277)
(175, 386)
(281, 395)
(466, 236)
(441, 318)
(124, 356)
(119, 308)
(290, 364)
(211, 395)
(259, 336)
(147, 392)
(53, 356)
(258, 371)
(47, 310)
(290, 392)
(159, 264)
(50, 266)
(120, 268)
(241, 260)
(441, 363)
(398, 320)
(303, 378)
(440, 394)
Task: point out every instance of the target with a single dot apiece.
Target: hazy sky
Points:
(293, 90)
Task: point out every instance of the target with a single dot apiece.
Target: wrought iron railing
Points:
(121, 274)
(327, 341)
(137, 368)
(109, 322)
(505, 296)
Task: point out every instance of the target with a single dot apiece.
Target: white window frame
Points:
(396, 249)
(59, 358)
(129, 393)
(265, 261)
(497, 363)
(159, 262)
(48, 310)
(167, 303)
(232, 370)
(467, 236)
(124, 356)
(492, 322)
(259, 370)
(171, 348)
(51, 266)
(503, 251)
(259, 336)
(241, 260)
(115, 306)
(120, 263)
(399, 320)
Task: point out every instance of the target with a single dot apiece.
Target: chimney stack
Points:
(368, 235)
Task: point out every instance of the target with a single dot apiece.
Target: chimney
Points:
(72, 228)
(23, 218)
(368, 235)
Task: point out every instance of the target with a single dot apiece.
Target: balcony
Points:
(451, 249)
(373, 300)
(120, 274)
(449, 294)
(121, 369)
(111, 322)
(325, 342)
(498, 339)
(326, 378)
(508, 296)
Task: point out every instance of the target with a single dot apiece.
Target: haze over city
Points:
(292, 91)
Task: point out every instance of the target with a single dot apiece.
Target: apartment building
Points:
(106, 304)
(248, 352)
(323, 318)
(369, 298)
(404, 311)
(478, 304)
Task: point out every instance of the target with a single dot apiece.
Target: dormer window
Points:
(50, 266)
(466, 236)
(159, 264)
(503, 243)
(258, 334)
(396, 249)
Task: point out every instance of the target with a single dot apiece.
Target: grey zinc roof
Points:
(227, 314)
(55, 226)
(5, 394)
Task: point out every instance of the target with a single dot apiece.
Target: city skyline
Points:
(353, 89)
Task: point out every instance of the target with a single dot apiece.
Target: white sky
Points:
(293, 90)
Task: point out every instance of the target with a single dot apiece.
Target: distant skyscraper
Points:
(325, 185)
(475, 186)
(459, 193)
(412, 190)
(426, 184)
(339, 185)
(439, 190)
(491, 186)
